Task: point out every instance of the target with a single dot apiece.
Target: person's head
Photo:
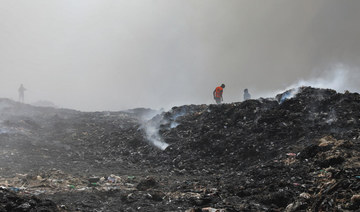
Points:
(222, 85)
(246, 90)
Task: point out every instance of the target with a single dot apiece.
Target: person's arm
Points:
(214, 93)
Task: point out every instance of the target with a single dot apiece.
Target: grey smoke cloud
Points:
(338, 77)
(113, 55)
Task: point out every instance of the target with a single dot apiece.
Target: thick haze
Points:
(116, 54)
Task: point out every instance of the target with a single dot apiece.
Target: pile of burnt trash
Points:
(298, 151)
(10, 201)
(238, 135)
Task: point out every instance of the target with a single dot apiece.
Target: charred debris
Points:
(297, 152)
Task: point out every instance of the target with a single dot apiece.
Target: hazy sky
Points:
(116, 54)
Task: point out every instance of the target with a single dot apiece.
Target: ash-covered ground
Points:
(297, 152)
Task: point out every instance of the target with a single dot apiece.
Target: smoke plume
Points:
(338, 77)
(150, 123)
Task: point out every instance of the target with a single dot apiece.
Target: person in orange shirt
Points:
(218, 92)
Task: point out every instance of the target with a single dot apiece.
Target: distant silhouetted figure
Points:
(218, 92)
(246, 94)
(21, 93)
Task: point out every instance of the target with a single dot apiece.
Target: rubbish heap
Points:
(296, 152)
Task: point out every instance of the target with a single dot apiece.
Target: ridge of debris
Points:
(296, 152)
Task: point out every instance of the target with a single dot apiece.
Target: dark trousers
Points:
(218, 100)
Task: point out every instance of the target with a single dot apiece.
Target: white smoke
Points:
(151, 126)
(289, 94)
(331, 117)
(153, 136)
(175, 116)
(174, 124)
(338, 77)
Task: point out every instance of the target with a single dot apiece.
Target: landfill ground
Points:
(296, 152)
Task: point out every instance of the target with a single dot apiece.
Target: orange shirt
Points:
(218, 92)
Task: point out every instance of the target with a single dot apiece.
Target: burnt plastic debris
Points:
(296, 152)
(11, 201)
